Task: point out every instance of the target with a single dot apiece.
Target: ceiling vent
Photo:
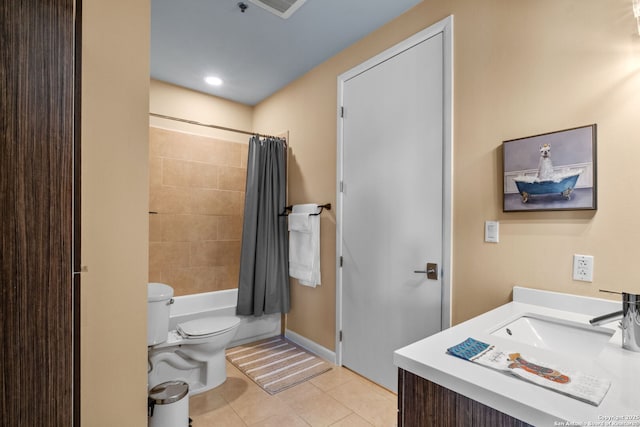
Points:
(282, 8)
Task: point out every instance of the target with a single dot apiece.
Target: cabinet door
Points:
(37, 85)
(423, 403)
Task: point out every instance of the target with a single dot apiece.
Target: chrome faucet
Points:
(630, 323)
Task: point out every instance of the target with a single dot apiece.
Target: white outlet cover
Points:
(583, 268)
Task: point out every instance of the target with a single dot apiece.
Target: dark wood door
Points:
(38, 104)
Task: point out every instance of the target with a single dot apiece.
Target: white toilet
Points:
(193, 352)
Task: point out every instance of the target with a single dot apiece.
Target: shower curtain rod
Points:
(193, 122)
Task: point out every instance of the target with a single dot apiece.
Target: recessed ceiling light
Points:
(213, 81)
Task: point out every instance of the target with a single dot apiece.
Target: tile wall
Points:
(197, 188)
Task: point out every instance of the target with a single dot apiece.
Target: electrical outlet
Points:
(583, 268)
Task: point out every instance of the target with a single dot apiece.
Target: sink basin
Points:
(558, 335)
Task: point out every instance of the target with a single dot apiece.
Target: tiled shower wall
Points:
(197, 188)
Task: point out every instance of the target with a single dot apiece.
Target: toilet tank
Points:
(159, 299)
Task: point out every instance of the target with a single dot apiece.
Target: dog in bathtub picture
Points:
(533, 181)
(545, 166)
(547, 181)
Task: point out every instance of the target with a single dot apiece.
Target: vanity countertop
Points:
(528, 402)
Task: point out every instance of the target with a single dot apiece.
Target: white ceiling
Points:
(255, 53)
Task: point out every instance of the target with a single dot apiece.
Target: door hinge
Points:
(342, 112)
(342, 186)
(341, 260)
(340, 336)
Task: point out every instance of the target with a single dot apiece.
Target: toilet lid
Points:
(207, 326)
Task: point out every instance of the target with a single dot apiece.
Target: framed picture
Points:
(552, 171)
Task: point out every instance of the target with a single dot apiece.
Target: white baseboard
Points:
(312, 346)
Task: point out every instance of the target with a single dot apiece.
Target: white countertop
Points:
(522, 400)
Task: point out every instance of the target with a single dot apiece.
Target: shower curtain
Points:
(263, 286)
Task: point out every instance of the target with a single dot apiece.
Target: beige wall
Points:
(308, 109)
(197, 186)
(175, 101)
(520, 68)
(115, 89)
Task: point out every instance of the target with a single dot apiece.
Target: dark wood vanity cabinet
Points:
(422, 403)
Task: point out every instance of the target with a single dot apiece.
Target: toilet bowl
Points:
(194, 352)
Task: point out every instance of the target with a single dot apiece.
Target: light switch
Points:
(492, 231)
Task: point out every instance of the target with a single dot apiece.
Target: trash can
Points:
(169, 405)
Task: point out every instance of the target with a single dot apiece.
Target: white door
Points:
(392, 207)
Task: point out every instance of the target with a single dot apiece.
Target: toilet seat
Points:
(207, 326)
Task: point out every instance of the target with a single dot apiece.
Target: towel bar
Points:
(322, 207)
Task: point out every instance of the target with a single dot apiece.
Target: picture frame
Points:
(551, 172)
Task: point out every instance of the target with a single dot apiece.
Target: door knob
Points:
(431, 271)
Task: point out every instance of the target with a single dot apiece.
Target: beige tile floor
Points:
(336, 398)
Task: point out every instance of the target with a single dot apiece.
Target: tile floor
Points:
(336, 398)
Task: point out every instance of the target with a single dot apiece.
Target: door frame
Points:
(444, 27)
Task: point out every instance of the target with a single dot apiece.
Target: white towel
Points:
(299, 222)
(304, 245)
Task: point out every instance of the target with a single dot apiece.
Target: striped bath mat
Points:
(276, 364)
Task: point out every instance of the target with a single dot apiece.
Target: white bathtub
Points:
(223, 303)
